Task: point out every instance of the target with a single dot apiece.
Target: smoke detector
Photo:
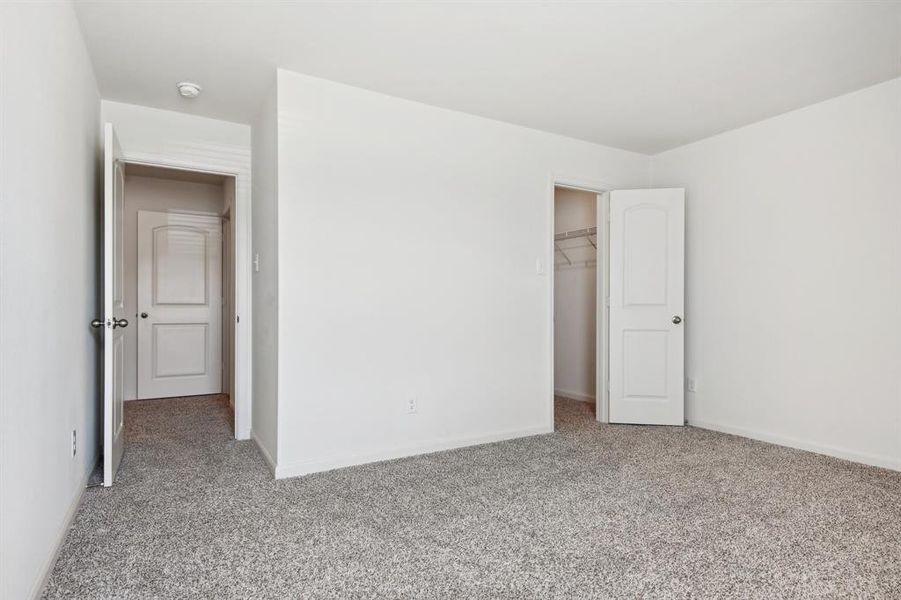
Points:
(188, 89)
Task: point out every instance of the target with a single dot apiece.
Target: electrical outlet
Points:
(692, 384)
(74, 443)
(411, 405)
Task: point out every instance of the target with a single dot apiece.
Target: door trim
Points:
(602, 189)
(242, 367)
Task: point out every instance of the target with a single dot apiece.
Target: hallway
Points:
(592, 510)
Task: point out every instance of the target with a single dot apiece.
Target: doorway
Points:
(177, 249)
(579, 280)
(230, 196)
(638, 251)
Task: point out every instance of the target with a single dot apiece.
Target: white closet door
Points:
(179, 304)
(114, 321)
(646, 306)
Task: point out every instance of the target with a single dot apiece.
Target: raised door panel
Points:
(180, 349)
(645, 256)
(119, 385)
(119, 237)
(180, 266)
(645, 364)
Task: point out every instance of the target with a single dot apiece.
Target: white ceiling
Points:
(644, 76)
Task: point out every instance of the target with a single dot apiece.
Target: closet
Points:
(575, 293)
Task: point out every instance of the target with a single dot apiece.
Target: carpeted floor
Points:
(591, 511)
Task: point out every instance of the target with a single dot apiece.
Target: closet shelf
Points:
(576, 233)
(586, 232)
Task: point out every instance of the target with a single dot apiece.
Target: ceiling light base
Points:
(188, 89)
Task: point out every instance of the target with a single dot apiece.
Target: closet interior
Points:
(575, 294)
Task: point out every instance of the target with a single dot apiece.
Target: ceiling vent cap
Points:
(188, 89)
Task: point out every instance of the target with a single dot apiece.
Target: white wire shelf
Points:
(587, 233)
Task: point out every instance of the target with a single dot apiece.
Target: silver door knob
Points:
(677, 319)
(119, 323)
(96, 323)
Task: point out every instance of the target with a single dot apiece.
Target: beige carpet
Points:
(588, 512)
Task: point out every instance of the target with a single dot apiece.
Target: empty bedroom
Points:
(361, 299)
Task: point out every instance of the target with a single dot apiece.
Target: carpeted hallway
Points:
(588, 512)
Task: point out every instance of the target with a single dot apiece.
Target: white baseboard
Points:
(266, 456)
(574, 396)
(360, 458)
(874, 460)
(47, 569)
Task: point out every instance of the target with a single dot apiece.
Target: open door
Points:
(113, 305)
(646, 343)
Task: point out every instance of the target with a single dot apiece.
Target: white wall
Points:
(49, 200)
(408, 240)
(170, 138)
(793, 296)
(266, 233)
(575, 297)
(152, 193)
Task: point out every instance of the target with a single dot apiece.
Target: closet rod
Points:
(582, 264)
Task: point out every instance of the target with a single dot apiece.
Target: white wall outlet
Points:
(539, 266)
(74, 443)
(692, 384)
(256, 262)
(411, 405)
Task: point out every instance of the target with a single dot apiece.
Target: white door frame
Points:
(241, 212)
(602, 189)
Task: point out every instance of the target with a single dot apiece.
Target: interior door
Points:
(647, 254)
(179, 304)
(113, 306)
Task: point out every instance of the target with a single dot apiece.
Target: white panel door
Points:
(179, 304)
(647, 254)
(114, 321)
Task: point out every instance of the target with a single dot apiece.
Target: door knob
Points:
(143, 315)
(677, 319)
(119, 323)
(96, 323)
